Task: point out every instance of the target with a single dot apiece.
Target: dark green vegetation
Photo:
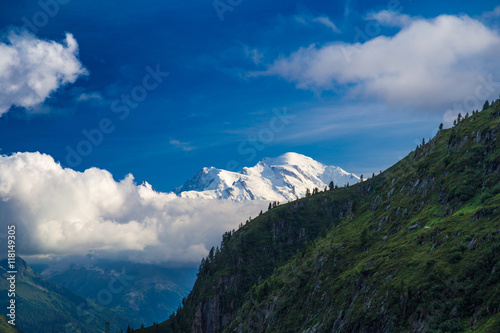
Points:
(143, 293)
(43, 307)
(5, 327)
(414, 249)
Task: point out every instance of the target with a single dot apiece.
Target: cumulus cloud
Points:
(429, 63)
(60, 212)
(31, 69)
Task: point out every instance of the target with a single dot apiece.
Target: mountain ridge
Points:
(283, 178)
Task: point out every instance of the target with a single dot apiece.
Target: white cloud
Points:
(61, 212)
(390, 18)
(31, 69)
(327, 23)
(429, 63)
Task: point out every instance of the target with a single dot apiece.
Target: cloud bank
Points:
(60, 212)
(31, 69)
(429, 63)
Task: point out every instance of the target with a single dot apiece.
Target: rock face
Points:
(283, 178)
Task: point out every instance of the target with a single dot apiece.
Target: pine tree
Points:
(308, 193)
(486, 105)
(441, 126)
(331, 185)
(202, 266)
(269, 208)
(361, 178)
(211, 254)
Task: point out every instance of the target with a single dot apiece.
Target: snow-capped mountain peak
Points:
(284, 178)
(290, 159)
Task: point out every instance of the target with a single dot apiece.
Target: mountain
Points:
(414, 249)
(143, 293)
(44, 307)
(284, 178)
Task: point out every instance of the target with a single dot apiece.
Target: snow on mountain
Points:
(283, 178)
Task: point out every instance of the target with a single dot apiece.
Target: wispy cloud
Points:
(90, 96)
(253, 54)
(186, 146)
(347, 8)
(327, 23)
(347, 118)
(306, 19)
(390, 18)
(31, 69)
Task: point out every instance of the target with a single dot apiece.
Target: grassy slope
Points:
(421, 255)
(415, 249)
(5, 327)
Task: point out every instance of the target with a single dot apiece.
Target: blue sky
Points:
(231, 72)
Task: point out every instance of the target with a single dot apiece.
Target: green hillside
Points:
(5, 327)
(414, 249)
(43, 307)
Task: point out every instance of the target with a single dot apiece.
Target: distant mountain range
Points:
(141, 292)
(44, 307)
(284, 178)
